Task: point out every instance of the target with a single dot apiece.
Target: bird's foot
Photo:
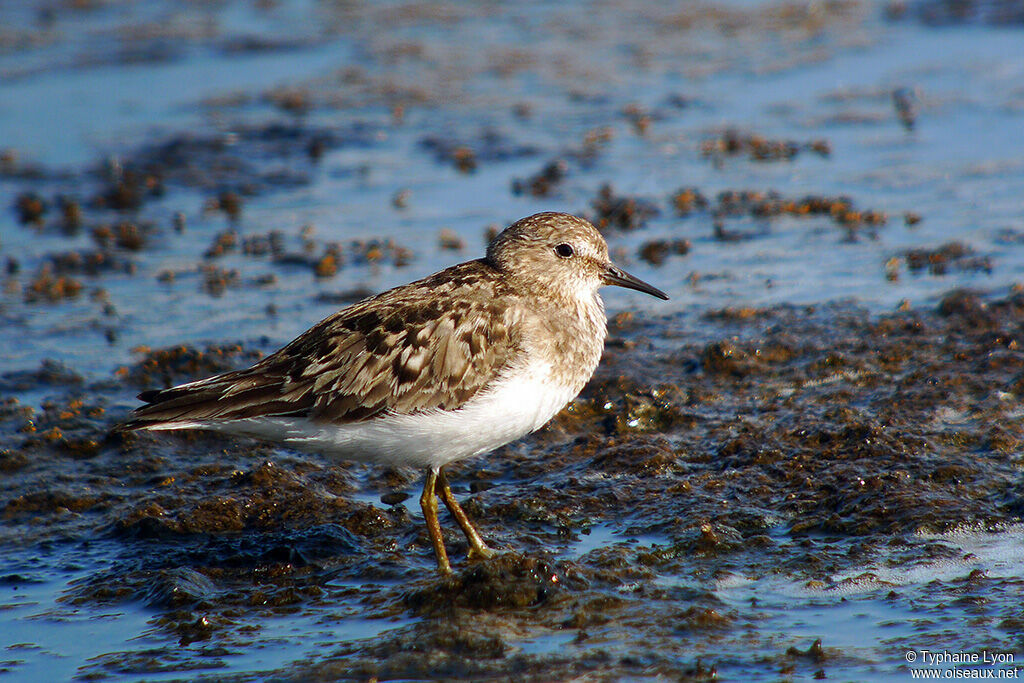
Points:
(481, 552)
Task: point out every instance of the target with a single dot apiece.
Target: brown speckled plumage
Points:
(431, 344)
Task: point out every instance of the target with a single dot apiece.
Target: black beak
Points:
(616, 276)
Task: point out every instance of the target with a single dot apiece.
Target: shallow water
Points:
(342, 123)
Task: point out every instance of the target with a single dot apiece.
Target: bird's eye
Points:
(564, 250)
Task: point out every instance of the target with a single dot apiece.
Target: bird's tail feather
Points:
(231, 396)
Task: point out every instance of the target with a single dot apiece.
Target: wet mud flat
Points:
(749, 493)
(748, 489)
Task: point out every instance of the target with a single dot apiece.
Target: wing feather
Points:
(398, 352)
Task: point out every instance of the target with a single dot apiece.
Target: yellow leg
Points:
(428, 501)
(477, 547)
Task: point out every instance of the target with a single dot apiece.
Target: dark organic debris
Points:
(223, 242)
(127, 189)
(329, 262)
(688, 200)
(124, 235)
(215, 280)
(490, 146)
(50, 373)
(172, 365)
(620, 213)
(957, 12)
(767, 205)
(509, 581)
(30, 208)
(48, 286)
(758, 148)
(544, 182)
(904, 100)
(232, 165)
(13, 168)
(229, 202)
(90, 262)
(638, 117)
(949, 256)
(449, 239)
(656, 252)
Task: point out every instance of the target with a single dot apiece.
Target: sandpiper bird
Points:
(435, 371)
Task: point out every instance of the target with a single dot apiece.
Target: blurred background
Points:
(210, 154)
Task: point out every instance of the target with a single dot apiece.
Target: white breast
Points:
(515, 406)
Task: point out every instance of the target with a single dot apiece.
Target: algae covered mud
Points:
(806, 465)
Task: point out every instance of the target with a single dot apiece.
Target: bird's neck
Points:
(571, 334)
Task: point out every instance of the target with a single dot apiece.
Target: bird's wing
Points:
(415, 348)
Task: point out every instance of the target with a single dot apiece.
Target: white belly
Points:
(514, 407)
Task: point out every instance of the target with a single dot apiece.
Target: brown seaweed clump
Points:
(30, 208)
(951, 256)
(688, 200)
(767, 205)
(174, 364)
(612, 212)
(48, 286)
(544, 182)
(656, 252)
(759, 148)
